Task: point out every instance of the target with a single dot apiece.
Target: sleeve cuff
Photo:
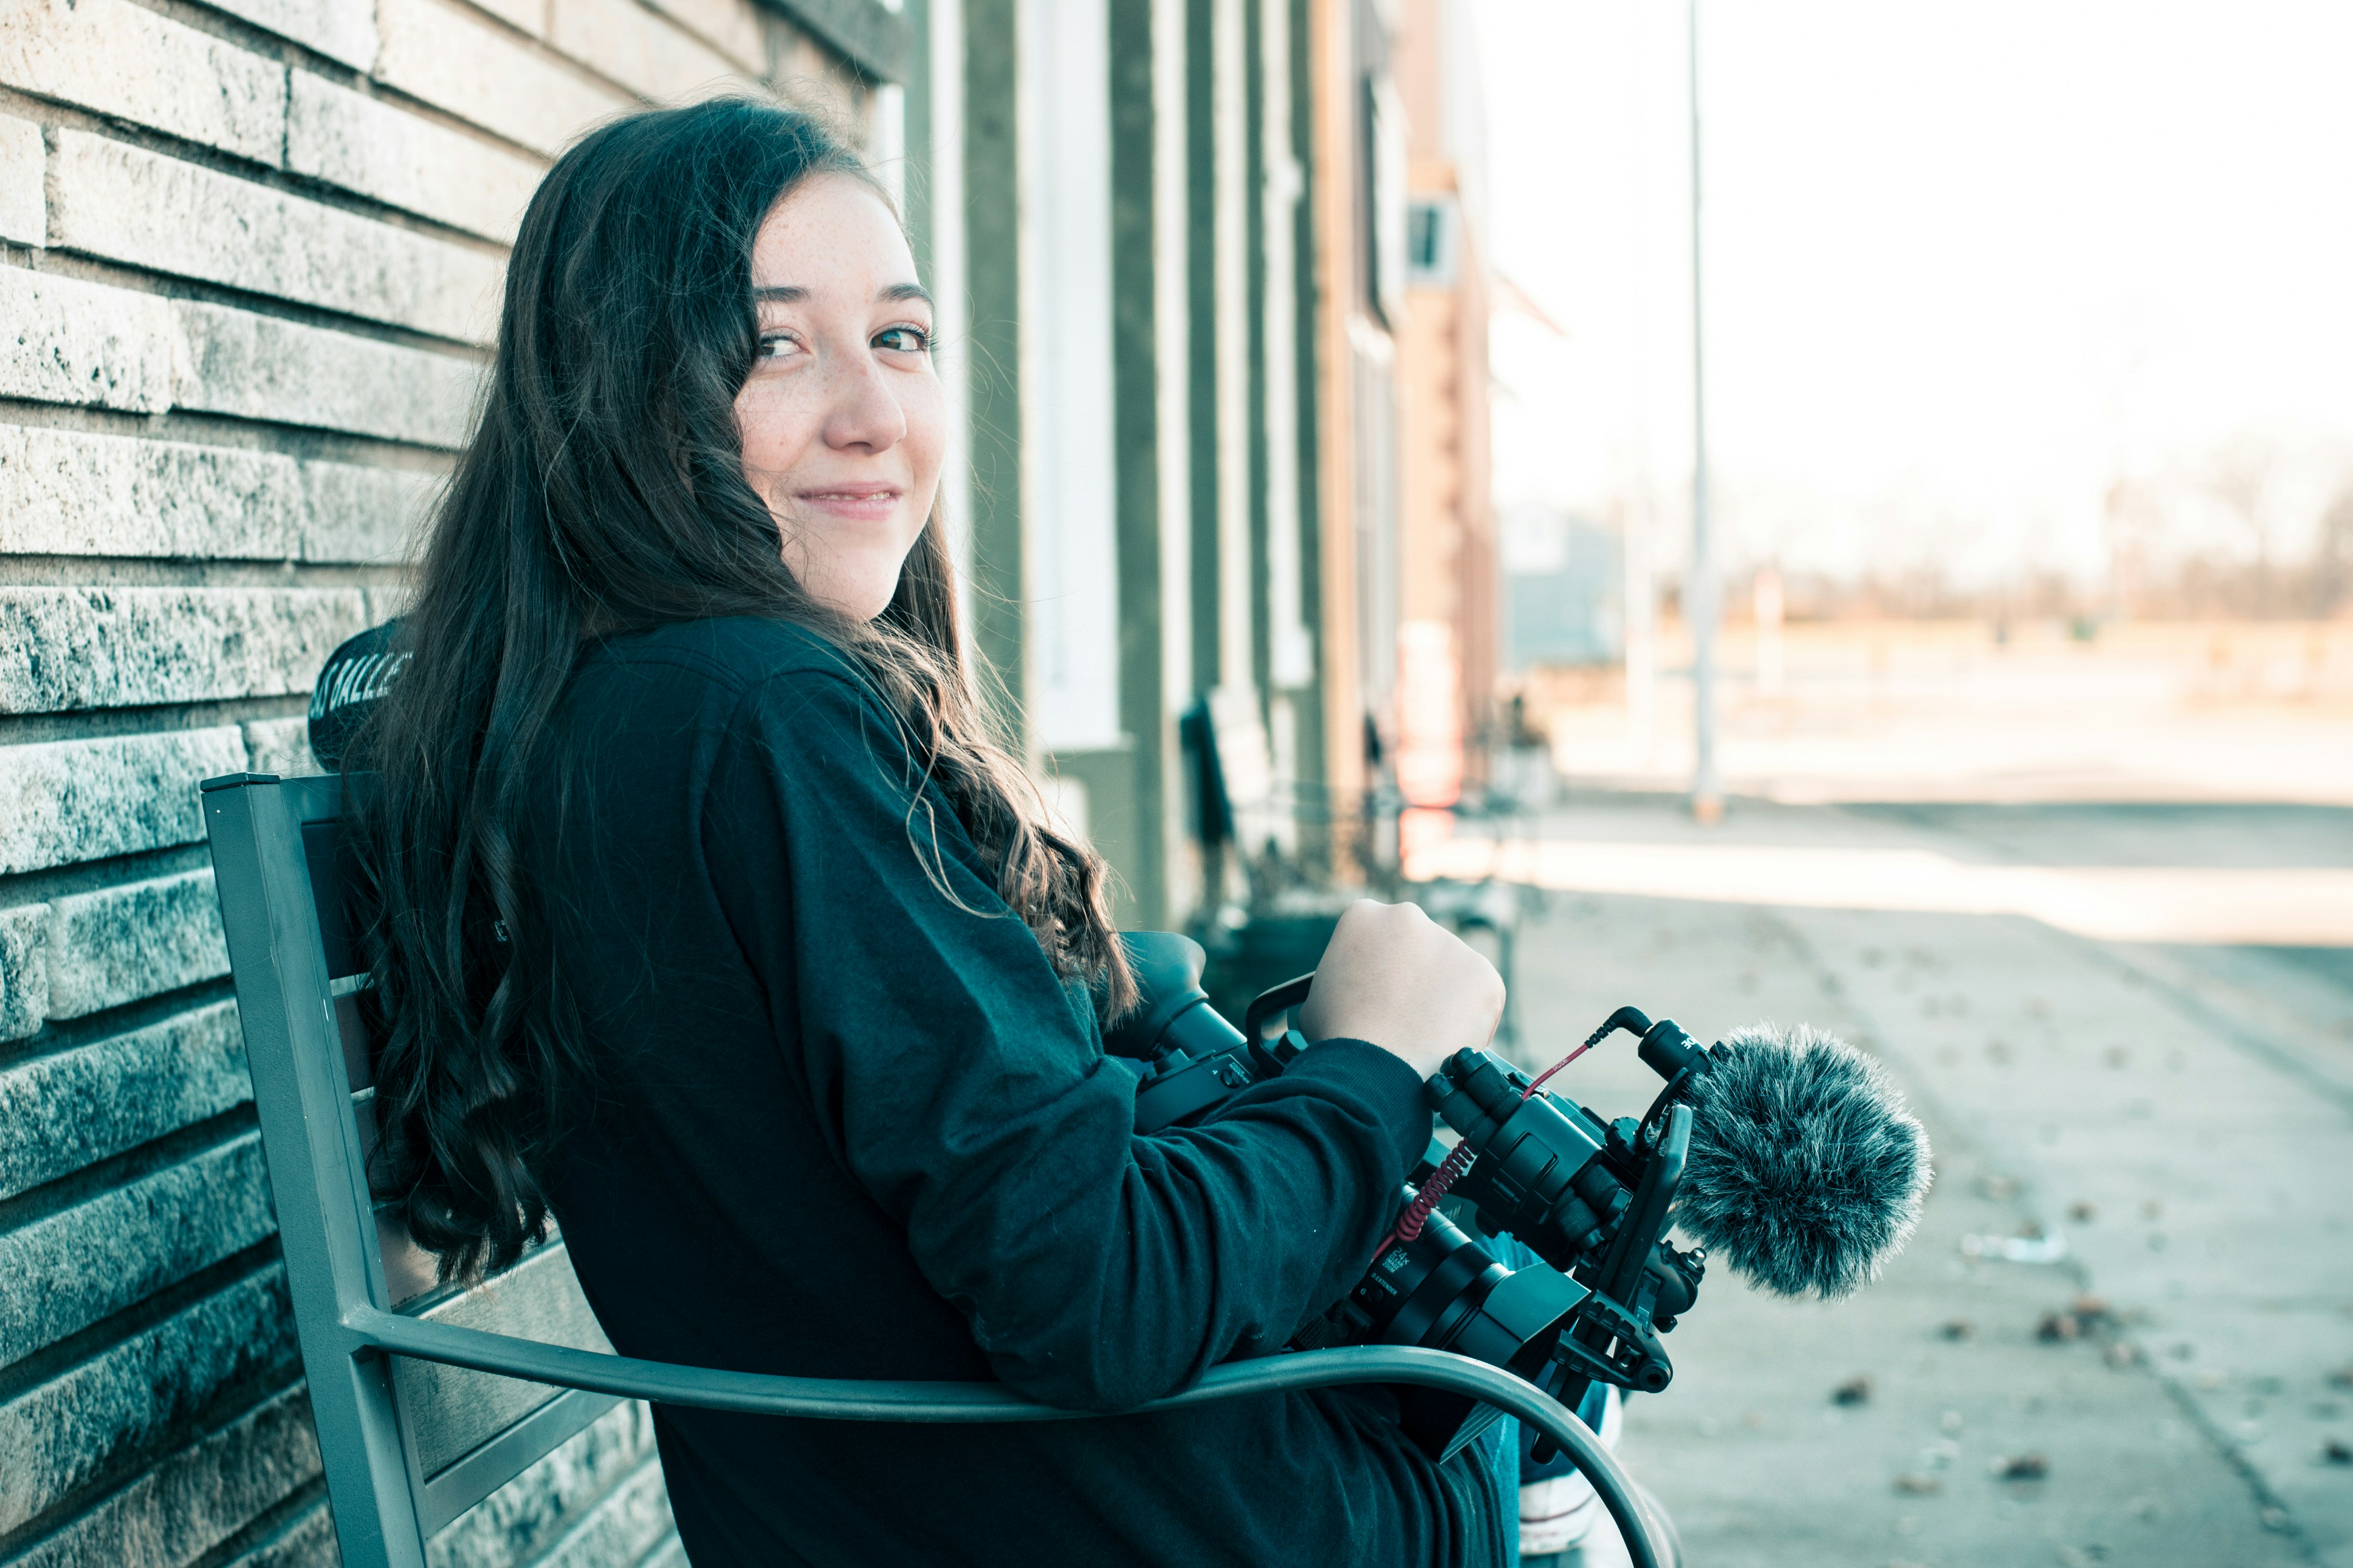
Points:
(1377, 1077)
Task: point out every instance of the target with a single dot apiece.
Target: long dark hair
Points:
(604, 492)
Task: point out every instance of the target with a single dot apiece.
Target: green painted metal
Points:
(993, 347)
(1130, 820)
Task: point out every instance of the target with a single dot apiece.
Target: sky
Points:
(1965, 265)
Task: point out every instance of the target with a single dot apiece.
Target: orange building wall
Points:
(1446, 504)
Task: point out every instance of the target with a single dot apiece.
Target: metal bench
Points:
(428, 1397)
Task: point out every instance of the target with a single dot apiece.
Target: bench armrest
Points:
(834, 1399)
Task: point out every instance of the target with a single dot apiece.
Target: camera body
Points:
(1591, 1198)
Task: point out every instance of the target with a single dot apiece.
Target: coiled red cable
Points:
(1417, 1213)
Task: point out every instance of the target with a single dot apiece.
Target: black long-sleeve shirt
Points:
(851, 1124)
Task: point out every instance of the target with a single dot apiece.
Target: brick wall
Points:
(249, 257)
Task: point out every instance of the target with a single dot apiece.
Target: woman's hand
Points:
(1395, 977)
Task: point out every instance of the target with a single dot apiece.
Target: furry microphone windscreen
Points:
(1806, 1170)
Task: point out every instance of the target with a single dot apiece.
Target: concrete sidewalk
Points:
(2171, 1128)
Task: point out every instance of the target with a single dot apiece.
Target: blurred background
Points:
(1797, 510)
(2022, 337)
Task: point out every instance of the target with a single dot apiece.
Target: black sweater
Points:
(851, 1125)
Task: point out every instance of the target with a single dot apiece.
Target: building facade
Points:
(250, 253)
(1447, 610)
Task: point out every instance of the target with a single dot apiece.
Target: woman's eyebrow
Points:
(792, 293)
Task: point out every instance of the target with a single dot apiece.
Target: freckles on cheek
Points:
(768, 445)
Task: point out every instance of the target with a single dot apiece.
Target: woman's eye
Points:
(779, 345)
(903, 339)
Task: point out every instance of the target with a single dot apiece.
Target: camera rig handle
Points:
(1274, 1001)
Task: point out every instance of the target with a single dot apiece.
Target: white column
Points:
(1293, 661)
(1172, 392)
(1228, 112)
(952, 313)
(1069, 537)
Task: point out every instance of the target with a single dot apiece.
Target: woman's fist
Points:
(1395, 977)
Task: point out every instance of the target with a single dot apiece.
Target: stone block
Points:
(71, 1108)
(280, 746)
(65, 493)
(236, 362)
(645, 52)
(360, 513)
(67, 800)
(734, 27)
(306, 1540)
(406, 161)
(628, 1524)
(387, 601)
(138, 940)
(126, 204)
(65, 340)
(197, 1498)
(23, 970)
(67, 648)
(120, 60)
(82, 1265)
(461, 63)
(524, 16)
(24, 215)
(60, 1435)
(554, 1497)
(341, 30)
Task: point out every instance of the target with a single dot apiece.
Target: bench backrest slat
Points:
(408, 1445)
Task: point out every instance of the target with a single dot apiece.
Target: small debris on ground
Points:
(2341, 1378)
(1853, 1391)
(2335, 1452)
(2084, 1315)
(2144, 1509)
(2090, 1552)
(2082, 1213)
(2121, 1355)
(1958, 1329)
(1919, 1486)
(2020, 1467)
(1951, 1423)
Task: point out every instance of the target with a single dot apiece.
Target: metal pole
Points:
(1699, 589)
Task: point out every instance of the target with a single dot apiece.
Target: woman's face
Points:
(843, 420)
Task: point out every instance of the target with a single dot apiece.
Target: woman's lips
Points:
(865, 503)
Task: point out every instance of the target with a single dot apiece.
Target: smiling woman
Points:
(842, 415)
(713, 922)
(712, 397)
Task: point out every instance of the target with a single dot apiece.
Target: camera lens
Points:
(1421, 1292)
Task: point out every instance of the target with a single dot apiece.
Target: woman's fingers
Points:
(1397, 978)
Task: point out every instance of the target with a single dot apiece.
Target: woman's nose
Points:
(861, 410)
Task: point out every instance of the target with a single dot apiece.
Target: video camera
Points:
(1591, 1198)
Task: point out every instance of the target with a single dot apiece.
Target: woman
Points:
(715, 926)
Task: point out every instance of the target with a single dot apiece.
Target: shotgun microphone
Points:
(1806, 1170)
